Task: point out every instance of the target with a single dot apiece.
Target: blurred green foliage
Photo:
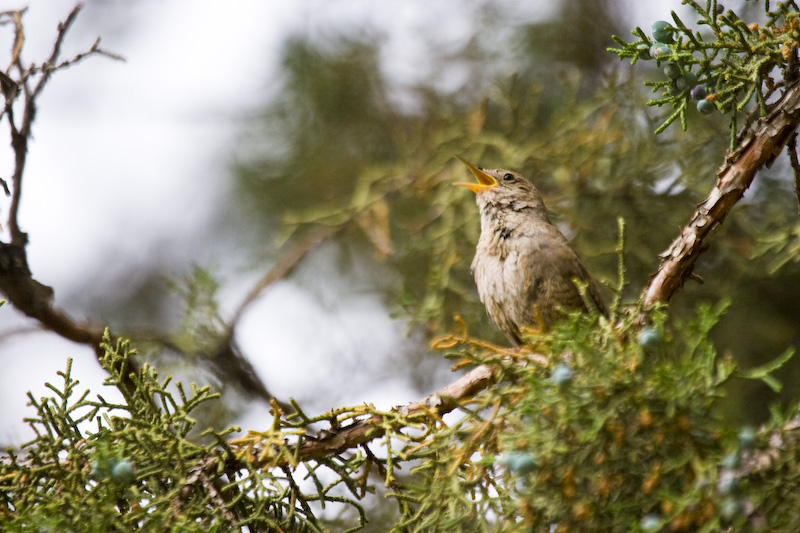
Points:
(341, 151)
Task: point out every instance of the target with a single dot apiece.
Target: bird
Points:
(525, 269)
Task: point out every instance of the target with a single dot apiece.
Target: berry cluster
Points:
(683, 80)
(726, 65)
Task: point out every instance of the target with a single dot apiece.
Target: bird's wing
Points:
(559, 256)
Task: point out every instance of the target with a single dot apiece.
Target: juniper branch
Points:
(759, 147)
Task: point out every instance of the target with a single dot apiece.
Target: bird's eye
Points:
(508, 177)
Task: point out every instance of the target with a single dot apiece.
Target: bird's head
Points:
(503, 188)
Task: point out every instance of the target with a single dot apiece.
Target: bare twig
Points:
(49, 66)
(19, 34)
(21, 133)
(758, 147)
(94, 49)
(29, 296)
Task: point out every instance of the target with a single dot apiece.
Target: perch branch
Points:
(441, 402)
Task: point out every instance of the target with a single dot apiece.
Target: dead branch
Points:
(28, 295)
(759, 146)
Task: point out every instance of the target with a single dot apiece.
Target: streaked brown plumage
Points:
(524, 267)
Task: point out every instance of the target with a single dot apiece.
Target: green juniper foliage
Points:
(615, 430)
(97, 465)
(722, 64)
(620, 436)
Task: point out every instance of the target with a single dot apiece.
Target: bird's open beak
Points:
(485, 181)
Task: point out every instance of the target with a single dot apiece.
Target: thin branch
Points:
(28, 295)
(21, 133)
(441, 402)
(94, 49)
(227, 360)
(48, 68)
(204, 477)
(758, 147)
(296, 252)
(232, 367)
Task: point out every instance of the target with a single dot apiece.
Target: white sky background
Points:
(129, 162)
